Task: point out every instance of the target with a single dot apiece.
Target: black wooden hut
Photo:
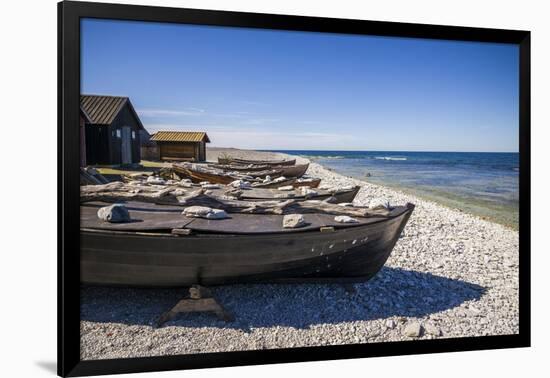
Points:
(113, 133)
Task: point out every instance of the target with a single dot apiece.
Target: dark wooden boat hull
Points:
(294, 171)
(163, 260)
(256, 162)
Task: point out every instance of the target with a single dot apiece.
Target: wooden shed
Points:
(113, 132)
(181, 145)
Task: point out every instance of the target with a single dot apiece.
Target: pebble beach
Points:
(450, 275)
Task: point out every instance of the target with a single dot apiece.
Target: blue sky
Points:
(268, 89)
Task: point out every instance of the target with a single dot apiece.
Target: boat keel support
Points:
(200, 299)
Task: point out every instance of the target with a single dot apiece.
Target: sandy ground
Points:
(450, 275)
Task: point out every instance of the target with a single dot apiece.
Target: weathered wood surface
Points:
(221, 177)
(255, 170)
(311, 183)
(173, 195)
(231, 160)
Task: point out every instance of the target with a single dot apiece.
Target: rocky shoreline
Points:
(451, 274)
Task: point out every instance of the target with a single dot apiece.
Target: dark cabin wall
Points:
(82, 140)
(124, 118)
(97, 144)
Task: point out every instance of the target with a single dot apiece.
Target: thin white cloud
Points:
(226, 136)
(170, 112)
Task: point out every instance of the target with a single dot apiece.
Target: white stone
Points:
(116, 213)
(307, 192)
(186, 183)
(240, 184)
(155, 180)
(204, 212)
(286, 188)
(196, 211)
(413, 329)
(379, 203)
(216, 214)
(293, 221)
(345, 219)
(210, 186)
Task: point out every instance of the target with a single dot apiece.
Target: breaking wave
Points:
(390, 158)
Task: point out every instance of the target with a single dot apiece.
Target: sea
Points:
(485, 184)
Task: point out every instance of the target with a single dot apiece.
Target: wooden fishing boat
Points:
(241, 167)
(252, 170)
(293, 170)
(255, 162)
(309, 182)
(262, 194)
(162, 248)
(275, 183)
(217, 176)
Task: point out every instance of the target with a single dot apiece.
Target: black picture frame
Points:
(69, 15)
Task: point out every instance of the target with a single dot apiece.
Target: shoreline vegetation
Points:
(451, 274)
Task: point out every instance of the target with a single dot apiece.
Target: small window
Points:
(118, 134)
(133, 134)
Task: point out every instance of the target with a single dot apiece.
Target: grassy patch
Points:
(146, 167)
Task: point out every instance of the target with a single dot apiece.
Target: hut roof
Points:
(180, 136)
(85, 115)
(102, 110)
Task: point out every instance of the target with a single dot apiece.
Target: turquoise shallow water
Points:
(485, 184)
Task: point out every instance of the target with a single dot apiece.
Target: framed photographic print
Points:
(240, 188)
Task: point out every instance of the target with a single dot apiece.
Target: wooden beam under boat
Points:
(163, 248)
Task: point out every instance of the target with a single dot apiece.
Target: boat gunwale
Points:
(407, 208)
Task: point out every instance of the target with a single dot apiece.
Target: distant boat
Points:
(286, 170)
(217, 176)
(309, 182)
(163, 248)
(231, 160)
(275, 183)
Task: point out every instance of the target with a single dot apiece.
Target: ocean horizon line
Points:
(395, 151)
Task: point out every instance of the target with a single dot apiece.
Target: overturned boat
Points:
(161, 247)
